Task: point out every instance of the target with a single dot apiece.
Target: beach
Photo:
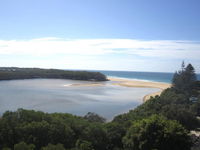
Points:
(139, 83)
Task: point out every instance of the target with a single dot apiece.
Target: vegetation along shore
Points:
(10, 73)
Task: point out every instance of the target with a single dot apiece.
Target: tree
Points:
(93, 117)
(156, 133)
(53, 147)
(96, 134)
(190, 75)
(183, 66)
(184, 80)
(36, 133)
(115, 132)
(6, 148)
(84, 145)
(195, 108)
(24, 146)
(183, 115)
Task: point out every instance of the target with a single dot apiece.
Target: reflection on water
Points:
(52, 95)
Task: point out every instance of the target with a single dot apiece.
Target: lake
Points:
(57, 95)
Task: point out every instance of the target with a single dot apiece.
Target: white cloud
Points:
(52, 46)
(126, 54)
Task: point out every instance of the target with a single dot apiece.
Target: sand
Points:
(87, 84)
(146, 84)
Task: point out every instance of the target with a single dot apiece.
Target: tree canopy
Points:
(9, 73)
(24, 146)
(35, 130)
(53, 147)
(184, 80)
(156, 133)
(93, 117)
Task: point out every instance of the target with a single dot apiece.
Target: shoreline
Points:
(142, 84)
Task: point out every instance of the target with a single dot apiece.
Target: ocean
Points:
(147, 76)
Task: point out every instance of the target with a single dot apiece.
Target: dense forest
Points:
(9, 73)
(162, 123)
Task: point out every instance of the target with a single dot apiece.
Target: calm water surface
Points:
(56, 95)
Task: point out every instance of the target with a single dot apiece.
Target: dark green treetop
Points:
(156, 133)
(184, 80)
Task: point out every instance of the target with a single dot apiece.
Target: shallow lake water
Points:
(56, 95)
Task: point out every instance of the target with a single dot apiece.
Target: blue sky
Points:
(137, 35)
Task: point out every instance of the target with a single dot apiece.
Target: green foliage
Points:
(184, 80)
(6, 148)
(96, 134)
(156, 133)
(35, 132)
(24, 146)
(115, 133)
(174, 106)
(38, 128)
(195, 108)
(46, 130)
(53, 147)
(93, 117)
(84, 145)
(8, 73)
(41, 129)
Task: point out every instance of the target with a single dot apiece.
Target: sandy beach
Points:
(146, 84)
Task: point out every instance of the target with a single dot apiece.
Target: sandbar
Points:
(87, 84)
(138, 83)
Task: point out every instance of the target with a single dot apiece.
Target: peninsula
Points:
(10, 73)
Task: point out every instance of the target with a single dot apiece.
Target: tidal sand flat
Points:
(70, 96)
(138, 83)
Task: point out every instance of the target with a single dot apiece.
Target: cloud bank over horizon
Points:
(100, 54)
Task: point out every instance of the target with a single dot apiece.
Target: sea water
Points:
(148, 76)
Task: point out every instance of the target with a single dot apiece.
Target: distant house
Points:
(193, 99)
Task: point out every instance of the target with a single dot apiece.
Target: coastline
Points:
(144, 84)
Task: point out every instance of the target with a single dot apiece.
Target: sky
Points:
(128, 35)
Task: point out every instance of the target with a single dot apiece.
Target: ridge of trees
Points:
(35, 130)
(9, 73)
